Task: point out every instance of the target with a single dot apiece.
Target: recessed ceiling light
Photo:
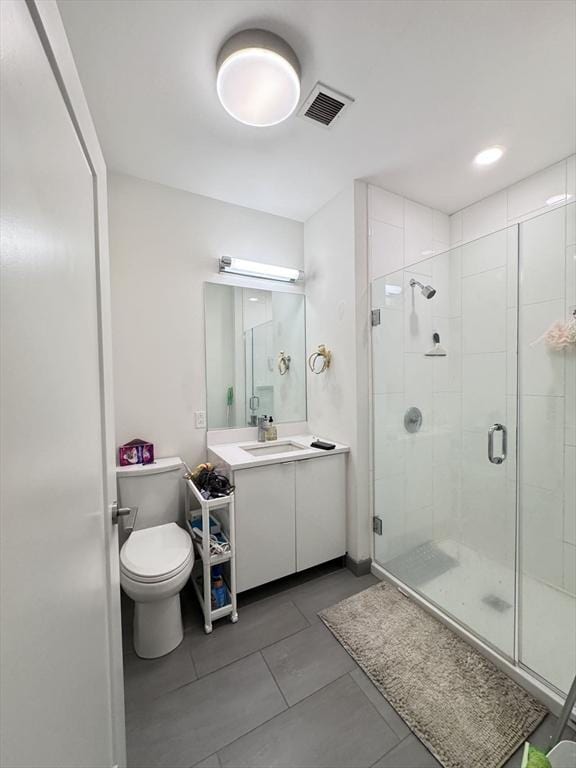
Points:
(555, 199)
(258, 80)
(489, 156)
(252, 298)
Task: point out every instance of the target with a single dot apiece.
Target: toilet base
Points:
(157, 627)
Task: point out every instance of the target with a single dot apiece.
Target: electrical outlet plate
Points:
(200, 419)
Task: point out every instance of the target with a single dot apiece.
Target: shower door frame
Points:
(511, 665)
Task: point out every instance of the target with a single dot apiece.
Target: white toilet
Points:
(157, 558)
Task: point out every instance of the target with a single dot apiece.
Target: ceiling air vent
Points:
(324, 105)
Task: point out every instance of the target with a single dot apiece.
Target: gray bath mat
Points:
(467, 712)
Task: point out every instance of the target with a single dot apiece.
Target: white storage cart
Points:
(222, 509)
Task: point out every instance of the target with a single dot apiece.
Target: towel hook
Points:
(324, 355)
(283, 363)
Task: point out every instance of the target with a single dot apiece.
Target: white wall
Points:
(402, 232)
(330, 251)
(361, 234)
(520, 202)
(164, 244)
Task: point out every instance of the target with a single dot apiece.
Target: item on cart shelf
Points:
(219, 592)
(193, 473)
(196, 522)
(219, 544)
(210, 483)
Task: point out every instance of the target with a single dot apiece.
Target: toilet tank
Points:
(156, 489)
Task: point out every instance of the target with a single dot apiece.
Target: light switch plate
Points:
(200, 419)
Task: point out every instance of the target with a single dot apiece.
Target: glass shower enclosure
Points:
(260, 368)
(474, 450)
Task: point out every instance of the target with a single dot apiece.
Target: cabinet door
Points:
(320, 510)
(265, 524)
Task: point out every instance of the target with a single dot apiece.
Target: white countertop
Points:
(234, 455)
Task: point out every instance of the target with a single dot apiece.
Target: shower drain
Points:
(496, 602)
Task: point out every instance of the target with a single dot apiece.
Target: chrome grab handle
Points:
(254, 403)
(497, 428)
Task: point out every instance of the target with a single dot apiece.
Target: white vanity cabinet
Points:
(320, 510)
(289, 517)
(265, 524)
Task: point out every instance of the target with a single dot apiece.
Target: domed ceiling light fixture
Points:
(258, 80)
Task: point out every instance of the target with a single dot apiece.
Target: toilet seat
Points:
(156, 554)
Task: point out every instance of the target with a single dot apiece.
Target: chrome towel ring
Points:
(283, 363)
(319, 361)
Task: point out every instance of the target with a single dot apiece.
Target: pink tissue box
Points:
(136, 452)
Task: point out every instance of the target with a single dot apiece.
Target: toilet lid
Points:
(156, 552)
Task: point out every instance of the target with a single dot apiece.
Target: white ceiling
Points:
(434, 82)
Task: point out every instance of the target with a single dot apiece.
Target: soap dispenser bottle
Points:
(271, 431)
(262, 428)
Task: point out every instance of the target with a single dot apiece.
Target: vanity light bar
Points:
(257, 269)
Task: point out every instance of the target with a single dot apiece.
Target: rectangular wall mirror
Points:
(255, 356)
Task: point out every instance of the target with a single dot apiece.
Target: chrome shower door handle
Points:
(502, 457)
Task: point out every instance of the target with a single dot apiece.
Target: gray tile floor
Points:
(276, 689)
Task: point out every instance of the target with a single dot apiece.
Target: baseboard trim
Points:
(359, 567)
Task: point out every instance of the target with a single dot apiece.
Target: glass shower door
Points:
(444, 405)
(547, 448)
(260, 366)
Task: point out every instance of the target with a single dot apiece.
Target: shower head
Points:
(426, 290)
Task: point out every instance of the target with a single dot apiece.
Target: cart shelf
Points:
(202, 548)
(199, 545)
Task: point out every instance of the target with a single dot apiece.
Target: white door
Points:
(60, 689)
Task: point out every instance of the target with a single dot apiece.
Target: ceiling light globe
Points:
(258, 81)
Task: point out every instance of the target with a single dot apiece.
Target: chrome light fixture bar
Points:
(257, 269)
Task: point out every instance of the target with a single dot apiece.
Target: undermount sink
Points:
(269, 450)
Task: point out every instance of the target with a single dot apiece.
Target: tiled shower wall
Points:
(401, 232)
(420, 476)
(544, 206)
(413, 479)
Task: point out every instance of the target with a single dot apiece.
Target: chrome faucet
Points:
(262, 428)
